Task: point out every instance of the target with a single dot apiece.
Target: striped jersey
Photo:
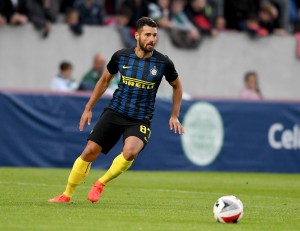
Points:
(139, 82)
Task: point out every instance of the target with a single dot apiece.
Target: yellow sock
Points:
(118, 166)
(79, 171)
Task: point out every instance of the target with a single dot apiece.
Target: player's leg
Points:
(79, 171)
(135, 139)
(101, 139)
(82, 167)
(120, 164)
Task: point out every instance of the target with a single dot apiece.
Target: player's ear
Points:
(136, 35)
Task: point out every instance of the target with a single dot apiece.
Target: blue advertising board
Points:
(41, 130)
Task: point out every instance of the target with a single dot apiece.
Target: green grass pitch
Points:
(166, 201)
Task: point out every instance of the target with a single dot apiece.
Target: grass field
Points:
(166, 201)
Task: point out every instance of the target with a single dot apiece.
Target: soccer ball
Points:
(228, 209)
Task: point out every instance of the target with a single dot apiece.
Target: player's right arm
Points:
(98, 91)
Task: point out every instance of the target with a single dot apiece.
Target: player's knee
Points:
(130, 153)
(91, 152)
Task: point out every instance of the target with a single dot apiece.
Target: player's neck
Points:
(142, 54)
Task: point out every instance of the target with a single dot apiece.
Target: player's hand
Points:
(86, 117)
(175, 125)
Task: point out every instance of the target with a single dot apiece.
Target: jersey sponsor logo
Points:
(126, 67)
(137, 83)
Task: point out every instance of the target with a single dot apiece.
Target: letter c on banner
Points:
(271, 136)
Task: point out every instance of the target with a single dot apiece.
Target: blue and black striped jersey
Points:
(139, 82)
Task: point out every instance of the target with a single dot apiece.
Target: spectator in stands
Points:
(91, 12)
(251, 90)
(237, 11)
(160, 12)
(42, 13)
(201, 14)
(128, 13)
(66, 5)
(72, 19)
(183, 33)
(267, 21)
(90, 79)
(2, 20)
(220, 24)
(13, 12)
(63, 81)
(126, 31)
(139, 8)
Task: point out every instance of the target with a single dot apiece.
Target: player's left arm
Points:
(177, 98)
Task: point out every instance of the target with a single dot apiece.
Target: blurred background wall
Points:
(216, 68)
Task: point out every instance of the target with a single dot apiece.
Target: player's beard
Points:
(143, 46)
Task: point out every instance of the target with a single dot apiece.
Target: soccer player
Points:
(130, 111)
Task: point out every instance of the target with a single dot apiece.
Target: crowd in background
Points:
(187, 21)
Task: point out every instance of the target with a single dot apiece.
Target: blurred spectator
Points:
(202, 15)
(220, 24)
(269, 18)
(13, 12)
(267, 21)
(237, 11)
(91, 12)
(160, 13)
(121, 22)
(111, 6)
(90, 79)
(282, 7)
(251, 90)
(66, 5)
(42, 13)
(63, 81)
(2, 20)
(72, 19)
(296, 26)
(139, 8)
(129, 11)
(183, 33)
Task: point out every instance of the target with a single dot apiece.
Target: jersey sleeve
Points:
(112, 65)
(170, 71)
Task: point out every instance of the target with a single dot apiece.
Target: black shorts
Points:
(112, 125)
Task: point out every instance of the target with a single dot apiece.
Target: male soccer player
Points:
(130, 110)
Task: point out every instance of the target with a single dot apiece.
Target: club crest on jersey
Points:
(153, 71)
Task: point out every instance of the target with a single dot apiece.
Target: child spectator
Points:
(63, 81)
(251, 90)
(72, 19)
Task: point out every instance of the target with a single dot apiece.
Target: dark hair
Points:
(247, 76)
(145, 21)
(65, 66)
(250, 73)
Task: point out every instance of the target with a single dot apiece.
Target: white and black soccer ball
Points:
(228, 209)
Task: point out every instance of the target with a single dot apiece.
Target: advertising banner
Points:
(41, 130)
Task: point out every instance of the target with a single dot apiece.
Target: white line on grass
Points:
(143, 189)
(82, 186)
